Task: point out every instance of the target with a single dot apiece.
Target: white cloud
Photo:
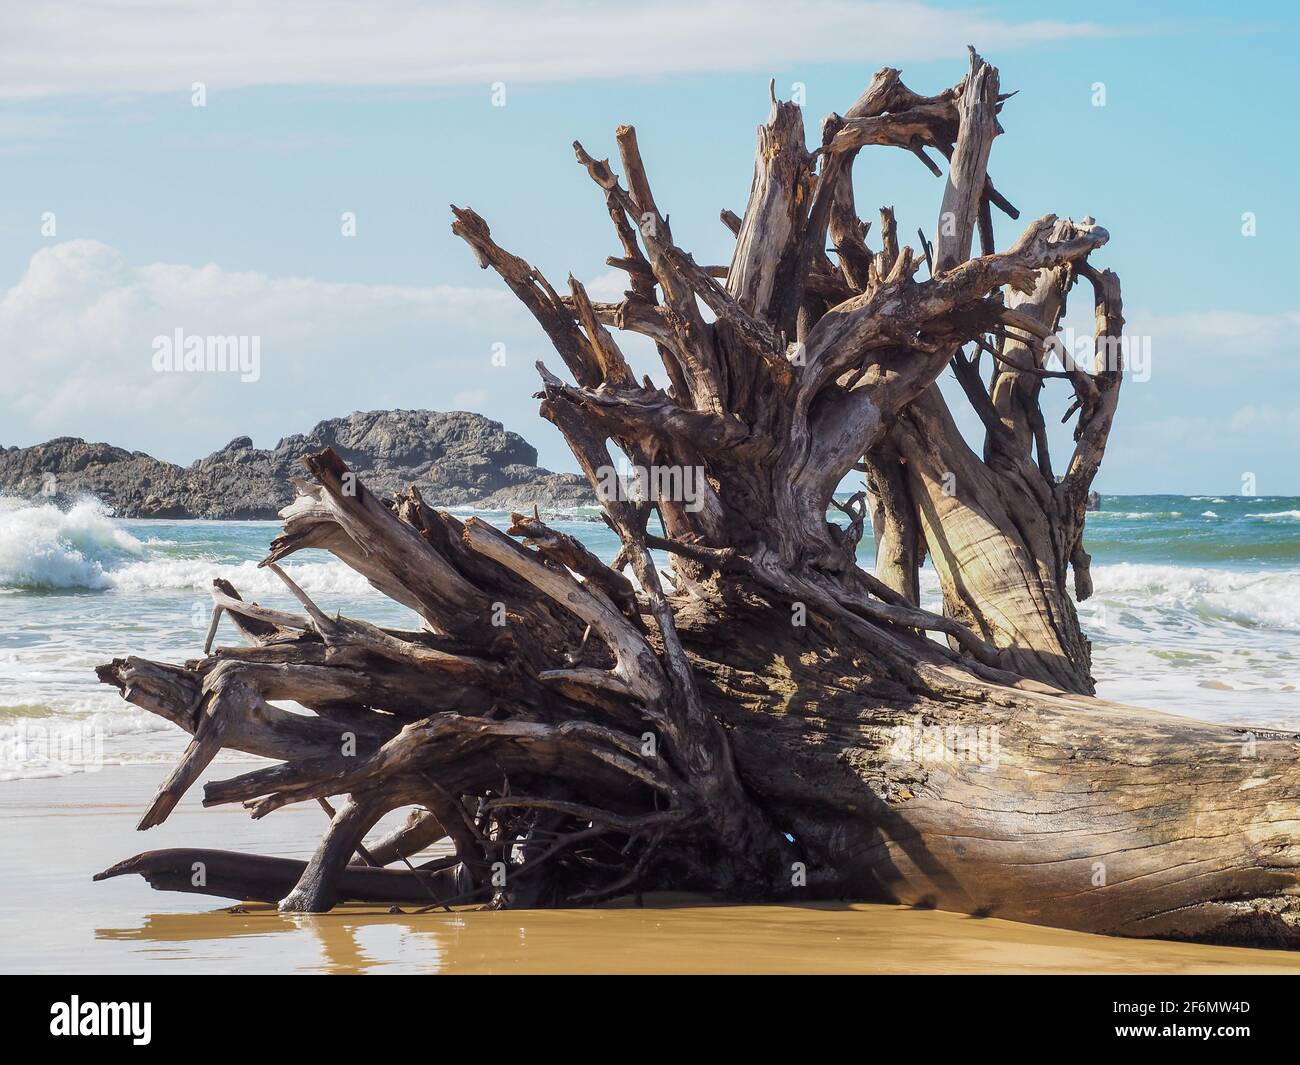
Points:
(608, 287)
(78, 331)
(1222, 333)
(1231, 339)
(110, 46)
(1256, 418)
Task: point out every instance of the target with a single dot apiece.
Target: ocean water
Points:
(1196, 611)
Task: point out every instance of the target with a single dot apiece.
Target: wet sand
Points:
(53, 919)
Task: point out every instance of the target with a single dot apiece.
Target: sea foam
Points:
(42, 546)
(315, 578)
(1256, 598)
(45, 548)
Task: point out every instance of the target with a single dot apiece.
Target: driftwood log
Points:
(764, 719)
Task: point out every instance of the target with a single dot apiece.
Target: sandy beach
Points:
(53, 919)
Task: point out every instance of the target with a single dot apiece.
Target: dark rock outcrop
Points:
(456, 459)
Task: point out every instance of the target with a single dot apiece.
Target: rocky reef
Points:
(455, 459)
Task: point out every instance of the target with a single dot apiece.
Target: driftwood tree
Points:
(774, 722)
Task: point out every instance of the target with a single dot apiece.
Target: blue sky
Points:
(227, 218)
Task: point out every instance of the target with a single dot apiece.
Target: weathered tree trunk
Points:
(778, 724)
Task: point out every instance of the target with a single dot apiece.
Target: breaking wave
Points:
(43, 548)
(1259, 598)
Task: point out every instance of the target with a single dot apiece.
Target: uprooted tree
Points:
(765, 719)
